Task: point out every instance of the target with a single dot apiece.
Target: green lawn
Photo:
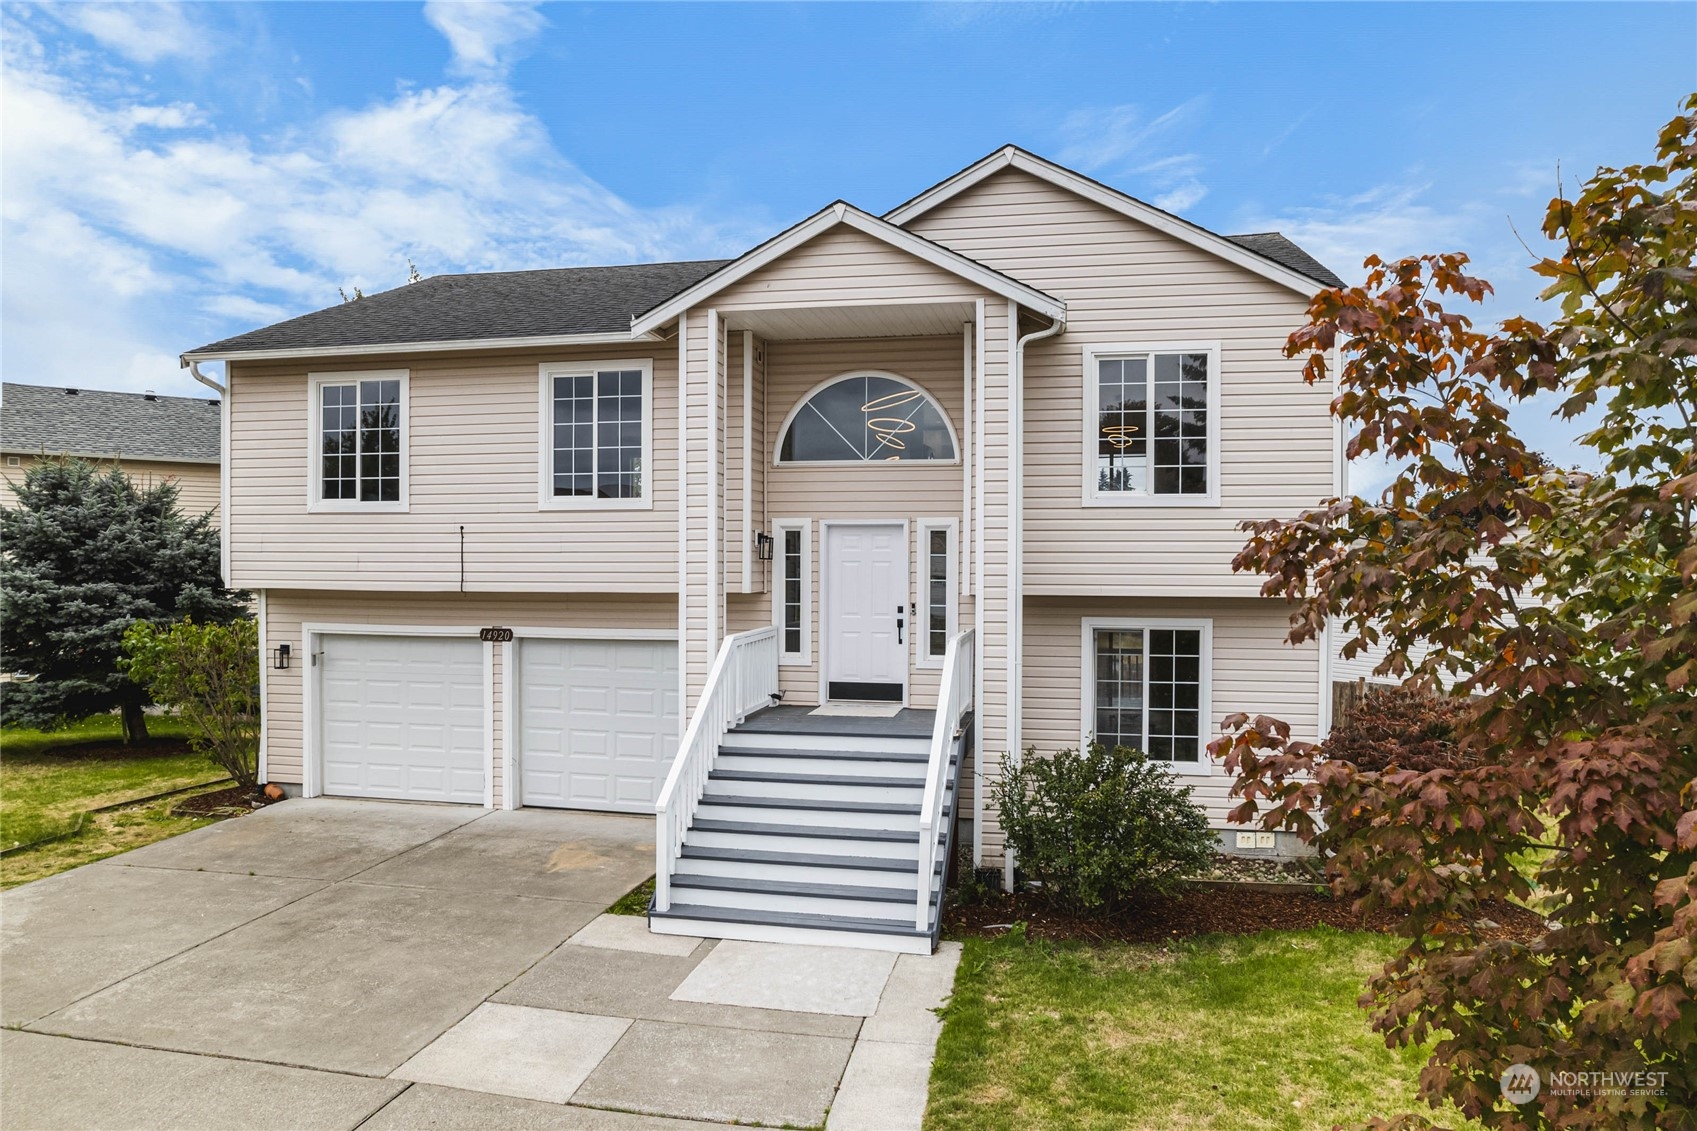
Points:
(1224, 1031)
(48, 779)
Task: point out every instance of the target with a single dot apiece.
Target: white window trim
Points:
(801, 402)
(1091, 423)
(803, 658)
(315, 382)
(922, 582)
(546, 372)
(1204, 767)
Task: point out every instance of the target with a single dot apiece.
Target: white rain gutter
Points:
(194, 371)
(1016, 545)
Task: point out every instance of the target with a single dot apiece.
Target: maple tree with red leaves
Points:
(1560, 611)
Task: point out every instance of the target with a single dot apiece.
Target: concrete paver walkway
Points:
(343, 964)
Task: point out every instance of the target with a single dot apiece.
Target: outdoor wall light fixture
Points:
(763, 546)
(280, 657)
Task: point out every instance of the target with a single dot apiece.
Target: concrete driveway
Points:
(343, 964)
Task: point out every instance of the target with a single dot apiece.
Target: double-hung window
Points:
(792, 589)
(359, 453)
(596, 434)
(1151, 431)
(1146, 686)
(936, 590)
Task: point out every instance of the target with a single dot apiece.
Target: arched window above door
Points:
(866, 418)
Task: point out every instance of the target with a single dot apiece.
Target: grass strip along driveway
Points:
(50, 779)
(1218, 1031)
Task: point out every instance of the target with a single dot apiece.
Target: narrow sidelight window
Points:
(598, 434)
(793, 609)
(937, 592)
(1148, 692)
(792, 590)
(360, 441)
(1152, 432)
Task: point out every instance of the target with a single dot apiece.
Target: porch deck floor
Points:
(909, 723)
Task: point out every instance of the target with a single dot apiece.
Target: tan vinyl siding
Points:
(1124, 284)
(1253, 671)
(197, 483)
(288, 610)
(844, 267)
(473, 434)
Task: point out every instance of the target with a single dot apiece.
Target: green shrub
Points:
(1098, 828)
(210, 674)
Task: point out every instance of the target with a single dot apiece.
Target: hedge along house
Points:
(152, 439)
(792, 550)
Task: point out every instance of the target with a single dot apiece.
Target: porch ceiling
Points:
(882, 320)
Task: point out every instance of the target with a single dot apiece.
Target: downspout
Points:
(194, 371)
(1016, 549)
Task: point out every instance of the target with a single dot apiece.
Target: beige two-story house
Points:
(791, 551)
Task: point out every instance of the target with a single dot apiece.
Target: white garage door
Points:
(402, 717)
(599, 722)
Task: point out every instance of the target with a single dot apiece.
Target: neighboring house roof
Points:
(1275, 258)
(841, 213)
(1279, 248)
(102, 425)
(447, 311)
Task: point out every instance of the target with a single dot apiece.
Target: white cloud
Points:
(143, 32)
(1123, 142)
(484, 35)
(135, 230)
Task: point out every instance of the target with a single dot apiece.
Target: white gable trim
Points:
(1014, 157)
(846, 214)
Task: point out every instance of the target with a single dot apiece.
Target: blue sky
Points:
(171, 174)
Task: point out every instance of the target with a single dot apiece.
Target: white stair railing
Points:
(743, 679)
(954, 700)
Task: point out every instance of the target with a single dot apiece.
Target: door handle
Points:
(900, 609)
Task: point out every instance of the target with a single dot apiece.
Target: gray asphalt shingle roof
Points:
(1275, 246)
(103, 425)
(494, 304)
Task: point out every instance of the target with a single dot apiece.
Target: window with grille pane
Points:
(598, 434)
(1152, 424)
(360, 441)
(1148, 691)
(937, 592)
(793, 605)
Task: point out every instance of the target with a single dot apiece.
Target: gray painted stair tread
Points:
(910, 723)
(805, 803)
(919, 756)
(800, 859)
(903, 928)
(791, 887)
(783, 778)
(755, 828)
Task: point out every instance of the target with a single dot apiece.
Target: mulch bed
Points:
(1211, 911)
(226, 802)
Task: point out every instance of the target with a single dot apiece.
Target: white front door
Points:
(598, 722)
(866, 611)
(402, 717)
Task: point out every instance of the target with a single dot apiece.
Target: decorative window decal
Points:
(867, 418)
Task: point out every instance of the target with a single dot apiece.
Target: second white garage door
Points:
(598, 722)
(402, 717)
